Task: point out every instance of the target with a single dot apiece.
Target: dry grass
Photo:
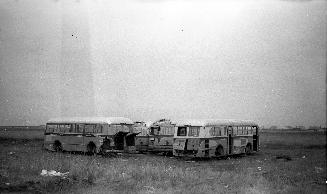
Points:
(22, 161)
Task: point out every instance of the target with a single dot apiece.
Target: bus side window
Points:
(64, 128)
(61, 128)
(72, 128)
(239, 130)
(234, 130)
(254, 130)
(89, 128)
(79, 128)
(98, 128)
(52, 128)
(181, 131)
(194, 131)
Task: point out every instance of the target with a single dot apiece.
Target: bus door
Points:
(130, 141)
(78, 138)
(230, 140)
(255, 139)
(153, 138)
(119, 140)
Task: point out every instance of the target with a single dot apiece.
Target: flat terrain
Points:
(287, 163)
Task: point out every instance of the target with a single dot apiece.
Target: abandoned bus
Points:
(161, 135)
(142, 138)
(91, 135)
(214, 138)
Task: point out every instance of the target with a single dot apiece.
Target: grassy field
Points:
(287, 163)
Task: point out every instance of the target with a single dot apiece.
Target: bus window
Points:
(234, 130)
(254, 130)
(89, 128)
(194, 131)
(251, 130)
(51, 128)
(155, 130)
(72, 128)
(225, 129)
(98, 128)
(216, 131)
(172, 130)
(239, 130)
(64, 128)
(79, 128)
(181, 131)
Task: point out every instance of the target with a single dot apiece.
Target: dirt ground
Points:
(287, 163)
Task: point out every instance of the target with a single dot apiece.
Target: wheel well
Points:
(219, 150)
(91, 144)
(220, 146)
(57, 142)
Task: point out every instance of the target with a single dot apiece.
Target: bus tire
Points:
(248, 149)
(57, 147)
(219, 151)
(105, 146)
(91, 148)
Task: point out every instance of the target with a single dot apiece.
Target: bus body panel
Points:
(142, 143)
(161, 143)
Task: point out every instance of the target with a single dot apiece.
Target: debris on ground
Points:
(53, 173)
(284, 157)
(11, 153)
(259, 168)
(303, 156)
(150, 189)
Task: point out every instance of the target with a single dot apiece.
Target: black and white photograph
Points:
(163, 96)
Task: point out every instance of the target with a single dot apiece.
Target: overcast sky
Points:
(263, 60)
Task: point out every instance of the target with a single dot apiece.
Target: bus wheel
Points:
(219, 151)
(91, 149)
(248, 149)
(57, 146)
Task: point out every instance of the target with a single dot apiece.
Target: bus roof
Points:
(108, 120)
(211, 122)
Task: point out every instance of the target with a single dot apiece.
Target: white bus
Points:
(214, 138)
(91, 135)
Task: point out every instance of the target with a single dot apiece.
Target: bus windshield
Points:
(181, 131)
